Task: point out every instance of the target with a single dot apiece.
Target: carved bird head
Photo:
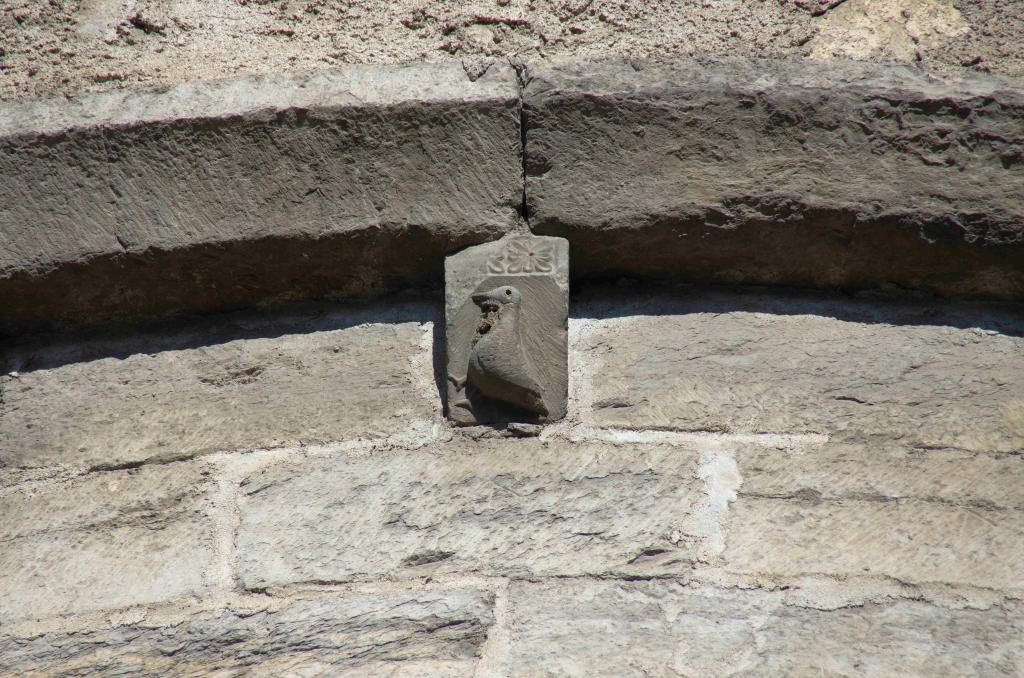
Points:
(498, 297)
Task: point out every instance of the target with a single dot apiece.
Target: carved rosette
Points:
(523, 256)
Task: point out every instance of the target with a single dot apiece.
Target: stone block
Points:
(105, 540)
(323, 374)
(928, 375)
(780, 172)
(882, 472)
(660, 628)
(917, 516)
(507, 507)
(209, 195)
(420, 633)
(910, 540)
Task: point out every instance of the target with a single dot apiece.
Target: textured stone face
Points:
(213, 195)
(520, 508)
(713, 503)
(239, 383)
(773, 172)
(912, 540)
(853, 371)
(324, 633)
(105, 541)
(585, 628)
(506, 319)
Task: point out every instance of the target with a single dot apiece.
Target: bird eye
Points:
(508, 291)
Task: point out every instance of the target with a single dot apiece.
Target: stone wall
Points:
(752, 480)
(63, 47)
(762, 482)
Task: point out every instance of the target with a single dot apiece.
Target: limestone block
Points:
(657, 628)
(780, 172)
(919, 516)
(910, 540)
(435, 633)
(509, 507)
(930, 376)
(105, 540)
(208, 195)
(328, 373)
(883, 472)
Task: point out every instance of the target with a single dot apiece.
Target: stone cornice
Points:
(358, 181)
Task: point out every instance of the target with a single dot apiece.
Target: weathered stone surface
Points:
(105, 540)
(501, 507)
(208, 195)
(928, 375)
(883, 472)
(528, 509)
(315, 374)
(388, 634)
(506, 323)
(912, 540)
(845, 174)
(918, 516)
(586, 628)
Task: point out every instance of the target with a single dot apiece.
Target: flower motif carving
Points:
(523, 255)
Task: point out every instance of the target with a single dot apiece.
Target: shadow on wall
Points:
(49, 351)
(590, 302)
(629, 298)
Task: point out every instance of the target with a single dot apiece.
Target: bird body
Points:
(499, 365)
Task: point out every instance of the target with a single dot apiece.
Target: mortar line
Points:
(496, 647)
(522, 78)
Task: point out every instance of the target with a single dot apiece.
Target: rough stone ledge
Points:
(840, 174)
(232, 193)
(218, 194)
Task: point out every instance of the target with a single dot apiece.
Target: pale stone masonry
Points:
(303, 377)
(747, 482)
(105, 541)
(578, 628)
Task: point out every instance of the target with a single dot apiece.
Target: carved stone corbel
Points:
(506, 320)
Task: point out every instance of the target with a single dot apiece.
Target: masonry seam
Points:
(522, 79)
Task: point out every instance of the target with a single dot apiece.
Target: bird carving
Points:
(499, 365)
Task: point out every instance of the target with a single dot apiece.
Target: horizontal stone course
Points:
(556, 508)
(520, 508)
(436, 633)
(780, 172)
(909, 540)
(308, 375)
(348, 182)
(657, 628)
(883, 472)
(106, 540)
(210, 195)
(928, 375)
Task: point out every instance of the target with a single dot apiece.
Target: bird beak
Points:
(488, 298)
